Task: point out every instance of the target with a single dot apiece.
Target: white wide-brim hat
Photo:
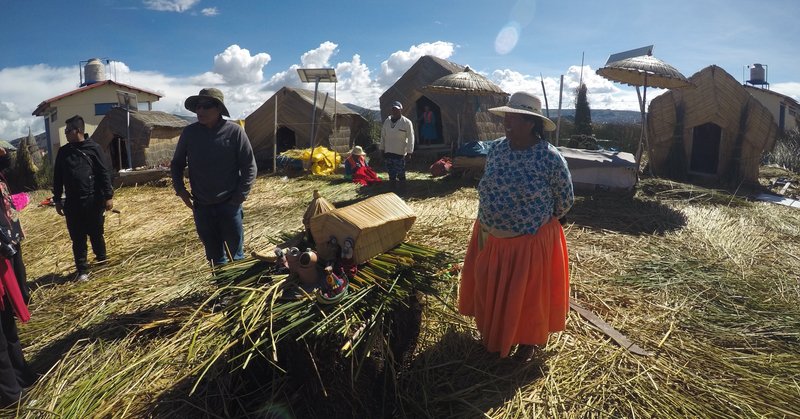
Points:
(525, 103)
(357, 151)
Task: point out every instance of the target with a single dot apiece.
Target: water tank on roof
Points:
(757, 74)
(94, 71)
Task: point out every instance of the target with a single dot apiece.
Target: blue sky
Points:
(251, 49)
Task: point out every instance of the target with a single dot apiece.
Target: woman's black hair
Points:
(538, 125)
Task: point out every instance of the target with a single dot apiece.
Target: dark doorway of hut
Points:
(285, 139)
(705, 149)
(119, 154)
(429, 124)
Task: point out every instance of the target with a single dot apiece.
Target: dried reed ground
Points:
(707, 281)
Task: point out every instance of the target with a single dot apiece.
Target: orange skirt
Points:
(517, 288)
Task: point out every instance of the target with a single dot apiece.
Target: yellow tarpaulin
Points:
(324, 162)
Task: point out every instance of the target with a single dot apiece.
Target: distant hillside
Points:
(370, 114)
(41, 141)
(599, 116)
(603, 116)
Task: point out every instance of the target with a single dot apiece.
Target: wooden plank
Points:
(608, 330)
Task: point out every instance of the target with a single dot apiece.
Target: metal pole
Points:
(128, 135)
(313, 118)
(639, 149)
(119, 153)
(644, 133)
(275, 138)
(546, 105)
(558, 124)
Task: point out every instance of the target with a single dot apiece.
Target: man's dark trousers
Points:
(85, 217)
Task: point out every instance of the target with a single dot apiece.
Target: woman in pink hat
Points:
(515, 280)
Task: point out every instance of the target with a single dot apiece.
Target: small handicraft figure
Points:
(347, 259)
(281, 264)
(335, 287)
(334, 251)
(292, 256)
(308, 270)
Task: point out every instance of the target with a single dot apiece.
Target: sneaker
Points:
(82, 277)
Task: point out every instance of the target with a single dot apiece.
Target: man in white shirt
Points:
(397, 143)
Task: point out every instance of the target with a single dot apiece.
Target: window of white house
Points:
(54, 116)
(103, 108)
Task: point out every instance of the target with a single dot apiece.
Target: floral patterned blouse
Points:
(521, 189)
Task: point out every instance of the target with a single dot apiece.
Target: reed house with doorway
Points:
(716, 132)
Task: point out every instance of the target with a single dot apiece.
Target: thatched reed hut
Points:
(153, 136)
(470, 110)
(714, 132)
(338, 127)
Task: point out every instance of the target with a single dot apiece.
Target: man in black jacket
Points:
(82, 173)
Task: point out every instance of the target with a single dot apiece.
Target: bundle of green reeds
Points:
(257, 317)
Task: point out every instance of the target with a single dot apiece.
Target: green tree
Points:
(583, 114)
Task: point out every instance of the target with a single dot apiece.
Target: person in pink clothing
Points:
(15, 375)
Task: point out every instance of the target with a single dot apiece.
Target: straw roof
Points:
(295, 108)
(747, 129)
(464, 82)
(644, 70)
(6, 145)
(468, 109)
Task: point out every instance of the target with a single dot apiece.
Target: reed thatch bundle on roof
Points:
(153, 136)
(468, 110)
(338, 127)
(716, 130)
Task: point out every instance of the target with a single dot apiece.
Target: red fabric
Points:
(10, 286)
(365, 176)
(441, 167)
(427, 117)
(353, 162)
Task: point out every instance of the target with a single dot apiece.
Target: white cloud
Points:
(237, 66)
(319, 58)
(210, 11)
(356, 85)
(179, 6)
(602, 93)
(791, 89)
(400, 61)
(23, 88)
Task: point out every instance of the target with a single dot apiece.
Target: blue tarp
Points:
(474, 149)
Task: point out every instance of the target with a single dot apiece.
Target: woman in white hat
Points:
(354, 161)
(515, 280)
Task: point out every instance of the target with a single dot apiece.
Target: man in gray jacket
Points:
(222, 169)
